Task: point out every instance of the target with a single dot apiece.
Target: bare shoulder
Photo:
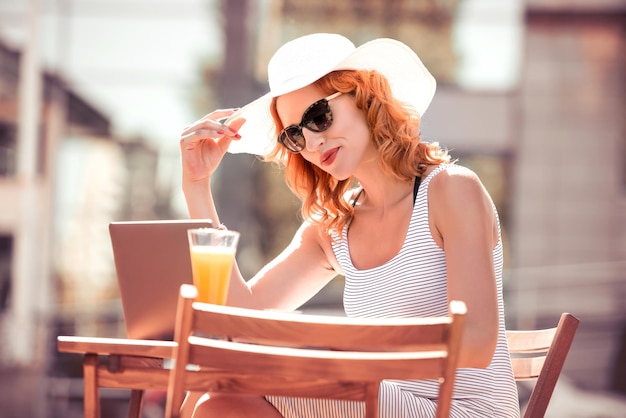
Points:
(456, 195)
(456, 182)
(458, 192)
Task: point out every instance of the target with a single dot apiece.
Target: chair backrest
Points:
(285, 354)
(540, 354)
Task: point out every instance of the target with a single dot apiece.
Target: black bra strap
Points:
(416, 187)
(356, 199)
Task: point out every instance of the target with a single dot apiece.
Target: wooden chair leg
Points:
(136, 403)
(91, 399)
(371, 400)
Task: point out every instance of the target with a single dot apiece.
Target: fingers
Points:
(213, 128)
(205, 129)
(219, 114)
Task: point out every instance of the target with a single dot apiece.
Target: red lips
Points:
(329, 156)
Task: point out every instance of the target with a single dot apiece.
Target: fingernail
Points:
(238, 136)
(220, 132)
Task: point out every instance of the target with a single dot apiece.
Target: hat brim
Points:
(410, 82)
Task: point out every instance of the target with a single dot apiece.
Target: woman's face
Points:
(344, 146)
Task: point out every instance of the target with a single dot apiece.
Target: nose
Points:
(313, 140)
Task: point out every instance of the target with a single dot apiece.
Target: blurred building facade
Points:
(27, 182)
(83, 178)
(569, 188)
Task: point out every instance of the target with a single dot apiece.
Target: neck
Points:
(385, 193)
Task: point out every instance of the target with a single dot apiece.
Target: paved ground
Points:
(28, 393)
(20, 393)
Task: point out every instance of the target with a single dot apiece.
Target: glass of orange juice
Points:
(212, 254)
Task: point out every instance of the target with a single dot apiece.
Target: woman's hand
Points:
(204, 143)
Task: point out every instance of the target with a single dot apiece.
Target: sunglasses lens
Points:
(292, 138)
(318, 117)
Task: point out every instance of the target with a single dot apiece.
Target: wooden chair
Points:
(540, 354)
(272, 353)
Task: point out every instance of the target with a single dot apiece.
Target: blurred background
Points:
(94, 94)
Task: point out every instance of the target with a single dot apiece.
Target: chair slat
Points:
(534, 341)
(527, 368)
(304, 363)
(337, 333)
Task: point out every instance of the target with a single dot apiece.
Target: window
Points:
(7, 149)
(6, 255)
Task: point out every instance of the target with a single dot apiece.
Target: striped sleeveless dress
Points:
(414, 284)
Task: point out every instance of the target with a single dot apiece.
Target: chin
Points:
(339, 176)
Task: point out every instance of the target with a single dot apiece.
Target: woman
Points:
(348, 135)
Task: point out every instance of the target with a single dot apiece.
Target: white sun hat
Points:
(304, 60)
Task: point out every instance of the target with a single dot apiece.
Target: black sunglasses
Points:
(316, 118)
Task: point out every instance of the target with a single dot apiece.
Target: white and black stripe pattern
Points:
(414, 284)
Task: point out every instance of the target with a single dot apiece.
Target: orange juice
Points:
(211, 267)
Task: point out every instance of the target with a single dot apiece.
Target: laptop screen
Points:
(152, 261)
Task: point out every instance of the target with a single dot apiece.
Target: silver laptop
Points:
(152, 261)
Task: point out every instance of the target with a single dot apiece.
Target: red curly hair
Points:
(394, 130)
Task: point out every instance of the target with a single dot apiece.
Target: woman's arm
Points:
(464, 225)
(292, 278)
(298, 273)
